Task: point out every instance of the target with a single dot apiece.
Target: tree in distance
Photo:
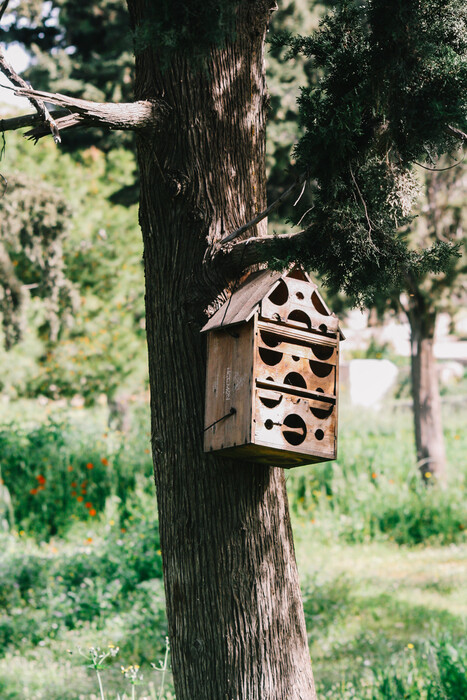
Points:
(392, 92)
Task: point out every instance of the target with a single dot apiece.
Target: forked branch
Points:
(131, 115)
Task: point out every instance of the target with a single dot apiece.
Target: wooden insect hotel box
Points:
(273, 372)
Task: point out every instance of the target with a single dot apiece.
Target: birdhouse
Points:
(273, 372)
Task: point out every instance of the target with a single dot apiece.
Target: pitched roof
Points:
(242, 304)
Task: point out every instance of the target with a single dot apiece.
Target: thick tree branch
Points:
(232, 260)
(291, 190)
(129, 115)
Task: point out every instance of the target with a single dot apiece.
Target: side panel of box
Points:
(229, 378)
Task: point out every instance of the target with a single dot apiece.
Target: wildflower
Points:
(88, 505)
(105, 461)
(33, 491)
(80, 499)
(123, 529)
(73, 493)
(427, 475)
(21, 533)
(374, 475)
(89, 465)
(41, 479)
(74, 484)
(457, 437)
(410, 645)
(111, 522)
(92, 512)
(83, 491)
(147, 451)
(89, 540)
(70, 469)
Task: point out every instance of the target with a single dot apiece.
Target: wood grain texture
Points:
(234, 609)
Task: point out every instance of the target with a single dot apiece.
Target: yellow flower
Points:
(427, 475)
(410, 645)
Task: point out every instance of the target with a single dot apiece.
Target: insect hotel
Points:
(273, 373)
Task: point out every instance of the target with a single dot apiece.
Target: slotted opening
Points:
(318, 304)
(272, 340)
(321, 413)
(270, 401)
(280, 295)
(300, 318)
(297, 274)
(320, 370)
(322, 352)
(319, 434)
(295, 379)
(294, 429)
(270, 357)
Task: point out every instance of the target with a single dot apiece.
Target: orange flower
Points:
(80, 498)
(89, 465)
(147, 450)
(88, 505)
(89, 540)
(105, 461)
(123, 529)
(41, 479)
(74, 484)
(83, 485)
(33, 491)
(70, 468)
(41, 487)
(83, 491)
(92, 512)
(73, 493)
(373, 476)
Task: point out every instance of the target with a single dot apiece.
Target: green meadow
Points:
(382, 559)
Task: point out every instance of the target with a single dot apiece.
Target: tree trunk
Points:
(234, 607)
(429, 437)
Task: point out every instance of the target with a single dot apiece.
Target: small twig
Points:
(440, 170)
(38, 104)
(457, 133)
(370, 227)
(3, 8)
(300, 195)
(293, 188)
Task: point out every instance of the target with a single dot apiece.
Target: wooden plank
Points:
(283, 368)
(293, 425)
(228, 385)
(242, 303)
(281, 333)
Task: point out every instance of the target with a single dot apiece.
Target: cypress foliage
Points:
(392, 78)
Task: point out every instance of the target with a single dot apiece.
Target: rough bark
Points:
(234, 608)
(429, 439)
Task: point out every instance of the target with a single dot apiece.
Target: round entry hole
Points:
(280, 295)
(270, 339)
(319, 434)
(270, 357)
(295, 379)
(268, 424)
(294, 429)
(300, 318)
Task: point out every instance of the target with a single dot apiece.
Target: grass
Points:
(383, 564)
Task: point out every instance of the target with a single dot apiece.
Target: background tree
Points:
(441, 218)
(233, 602)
